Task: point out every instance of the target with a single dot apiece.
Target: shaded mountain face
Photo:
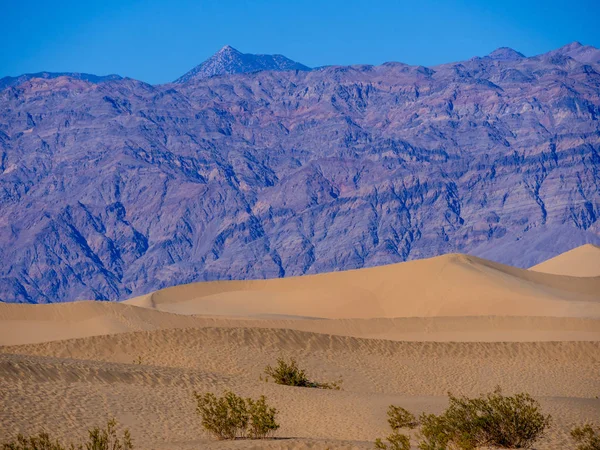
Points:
(119, 188)
(230, 61)
(14, 81)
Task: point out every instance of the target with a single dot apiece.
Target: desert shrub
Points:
(98, 439)
(395, 441)
(232, 417)
(492, 420)
(262, 418)
(107, 439)
(586, 437)
(512, 421)
(398, 418)
(41, 441)
(226, 417)
(434, 432)
(289, 374)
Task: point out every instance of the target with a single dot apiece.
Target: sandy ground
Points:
(582, 261)
(404, 334)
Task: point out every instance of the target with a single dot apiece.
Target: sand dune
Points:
(450, 285)
(582, 261)
(27, 324)
(402, 334)
(452, 297)
(21, 324)
(84, 380)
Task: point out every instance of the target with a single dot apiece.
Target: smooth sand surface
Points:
(582, 261)
(29, 324)
(450, 285)
(403, 334)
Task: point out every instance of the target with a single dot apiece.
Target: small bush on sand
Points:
(492, 420)
(289, 374)
(262, 418)
(98, 439)
(107, 439)
(435, 433)
(233, 417)
(395, 441)
(41, 441)
(398, 418)
(586, 437)
(225, 417)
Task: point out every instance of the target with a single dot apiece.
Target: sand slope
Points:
(408, 301)
(450, 285)
(83, 381)
(28, 324)
(582, 261)
(21, 324)
(401, 334)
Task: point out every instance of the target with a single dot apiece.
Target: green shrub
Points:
(98, 439)
(586, 437)
(262, 418)
(232, 417)
(107, 439)
(42, 441)
(492, 420)
(289, 374)
(395, 441)
(435, 434)
(226, 417)
(398, 418)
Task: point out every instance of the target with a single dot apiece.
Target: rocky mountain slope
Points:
(228, 60)
(116, 189)
(15, 81)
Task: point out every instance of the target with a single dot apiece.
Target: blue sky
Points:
(157, 40)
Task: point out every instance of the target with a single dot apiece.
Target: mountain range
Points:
(255, 166)
(15, 81)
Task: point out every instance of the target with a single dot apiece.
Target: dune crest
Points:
(449, 285)
(583, 261)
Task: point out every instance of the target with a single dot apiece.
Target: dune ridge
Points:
(449, 285)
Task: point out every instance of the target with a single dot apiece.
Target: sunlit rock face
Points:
(116, 188)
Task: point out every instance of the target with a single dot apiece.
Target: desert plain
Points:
(403, 334)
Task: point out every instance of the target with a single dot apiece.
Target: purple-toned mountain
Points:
(582, 53)
(15, 81)
(505, 54)
(228, 60)
(114, 189)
